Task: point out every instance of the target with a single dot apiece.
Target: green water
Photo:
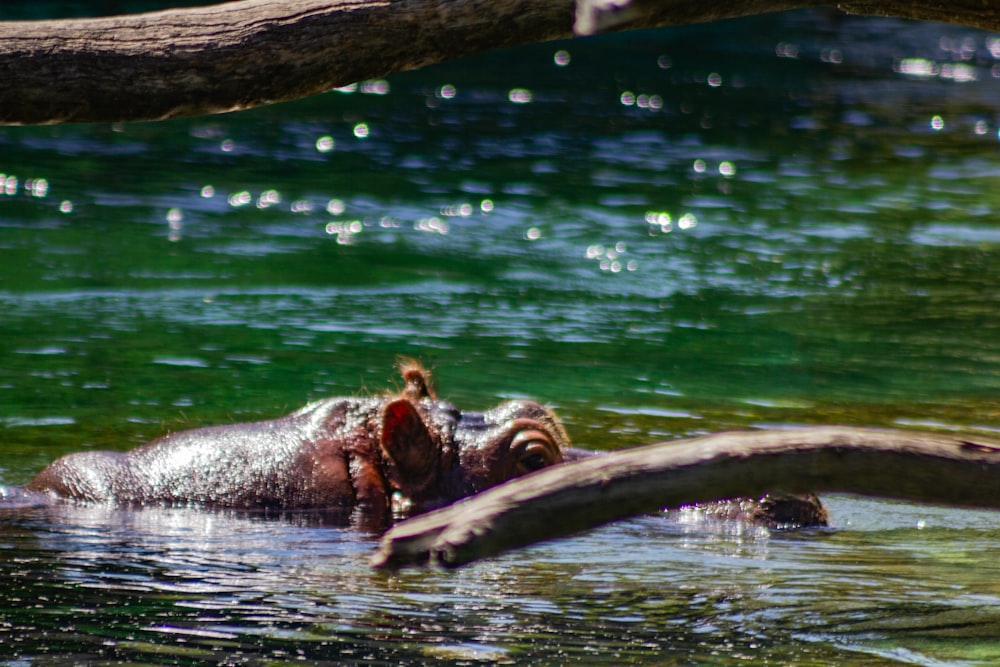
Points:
(768, 222)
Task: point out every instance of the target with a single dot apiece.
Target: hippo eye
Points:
(532, 462)
(533, 450)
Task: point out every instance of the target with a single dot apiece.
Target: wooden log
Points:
(238, 55)
(570, 498)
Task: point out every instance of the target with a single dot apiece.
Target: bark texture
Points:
(237, 55)
(577, 496)
(188, 62)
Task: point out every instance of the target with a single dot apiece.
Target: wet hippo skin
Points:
(395, 455)
(378, 458)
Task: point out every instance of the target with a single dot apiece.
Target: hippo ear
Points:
(408, 445)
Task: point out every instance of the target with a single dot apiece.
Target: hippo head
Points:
(435, 454)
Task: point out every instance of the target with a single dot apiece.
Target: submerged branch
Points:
(238, 55)
(577, 496)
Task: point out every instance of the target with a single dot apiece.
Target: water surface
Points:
(760, 223)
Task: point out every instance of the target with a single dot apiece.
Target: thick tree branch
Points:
(237, 55)
(187, 62)
(573, 497)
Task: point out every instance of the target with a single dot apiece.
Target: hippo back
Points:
(295, 461)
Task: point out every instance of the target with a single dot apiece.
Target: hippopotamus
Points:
(775, 511)
(380, 457)
(374, 459)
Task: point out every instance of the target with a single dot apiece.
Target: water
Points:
(767, 222)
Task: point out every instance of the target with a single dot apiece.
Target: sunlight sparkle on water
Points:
(344, 231)
(642, 100)
(457, 210)
(241, 198)
(609, 258)
(268, 198)
(325, 144)
(175, 220)
(924, 68)
(434, 225)
(36, 187)
(687, 221)
(832, 56)
(654, 102)
(520, 95)
(661, 220)
(375, 87)
(917, 67)
(33, 187)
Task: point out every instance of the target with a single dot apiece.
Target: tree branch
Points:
(238, 55)
(570, 498)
